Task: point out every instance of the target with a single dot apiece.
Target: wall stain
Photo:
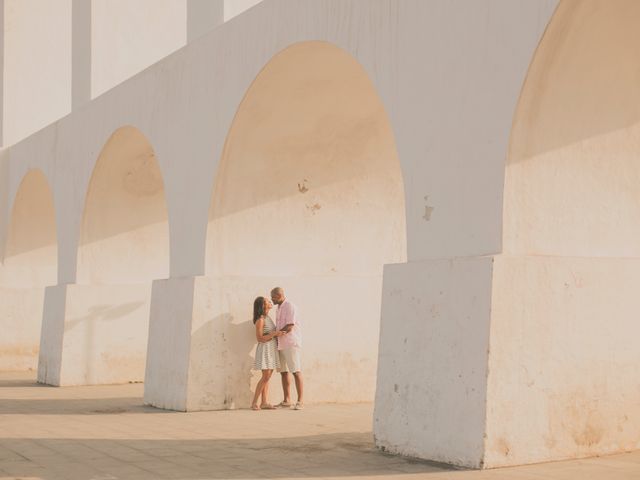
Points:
(428, 210)
(302, 187)
(314, 208)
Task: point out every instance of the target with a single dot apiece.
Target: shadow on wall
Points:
(101, 313)
(226, 366)
(105, 335)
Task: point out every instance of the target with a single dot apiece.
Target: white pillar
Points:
(202, 16)
(81, 52)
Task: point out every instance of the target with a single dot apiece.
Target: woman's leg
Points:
(266, 376)
(259, 390)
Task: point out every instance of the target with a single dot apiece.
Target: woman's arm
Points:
(260, 328)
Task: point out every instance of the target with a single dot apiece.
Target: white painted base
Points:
(340, 333)
(430, 399)
(165, 384)
(94, 334)
(564, 370)
(557, 376)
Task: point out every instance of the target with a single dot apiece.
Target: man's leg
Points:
(286, 389)
(299, 386)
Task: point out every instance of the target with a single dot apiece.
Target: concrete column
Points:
(167, 370)
(81, 52)
(202, 16)
(432, 362)
(2, 43)
(52, 335)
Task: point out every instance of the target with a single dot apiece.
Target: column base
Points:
(94, 334)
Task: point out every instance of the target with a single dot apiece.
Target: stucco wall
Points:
(564, 365)
(124, 237)
(37, 65)
(431, 398)
(29, 264)
(129, 36)
(564, 377)
(309, 177)
(572, 169)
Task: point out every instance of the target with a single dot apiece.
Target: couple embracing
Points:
(278, 349)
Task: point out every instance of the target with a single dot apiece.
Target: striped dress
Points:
(267, 357)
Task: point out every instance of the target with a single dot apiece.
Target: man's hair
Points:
(277, 291)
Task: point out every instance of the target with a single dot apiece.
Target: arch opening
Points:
(29, 265)
(308, 196)
(124, 236)
(572, 174)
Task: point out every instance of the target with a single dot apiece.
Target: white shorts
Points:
(290, 360)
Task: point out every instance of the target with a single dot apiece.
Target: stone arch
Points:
(124, 236)
(308, 195)
(29, 265)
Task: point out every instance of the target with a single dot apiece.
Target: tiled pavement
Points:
(104, 433)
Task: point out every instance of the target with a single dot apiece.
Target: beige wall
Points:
(308, 196)
(124, 236)
(29, 264)
(564, 364)
(572, 170)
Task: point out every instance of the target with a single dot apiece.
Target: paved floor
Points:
(104, 433)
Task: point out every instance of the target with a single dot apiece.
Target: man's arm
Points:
(290, 318)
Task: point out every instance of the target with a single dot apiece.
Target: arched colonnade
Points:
(357, 157)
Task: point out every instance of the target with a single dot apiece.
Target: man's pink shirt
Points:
(285, 315)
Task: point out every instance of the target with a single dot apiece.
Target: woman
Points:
(267, 351)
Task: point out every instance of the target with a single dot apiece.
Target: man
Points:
(288, 347)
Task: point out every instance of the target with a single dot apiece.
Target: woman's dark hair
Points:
(258, 308)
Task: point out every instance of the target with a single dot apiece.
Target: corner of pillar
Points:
(52, 335)
(169, 347)
(433, 359)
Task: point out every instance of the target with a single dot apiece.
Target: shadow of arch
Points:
(308, 195)
(29, 265)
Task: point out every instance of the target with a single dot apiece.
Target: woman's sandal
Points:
(283, 405)
(267, 406)
(255, 407)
